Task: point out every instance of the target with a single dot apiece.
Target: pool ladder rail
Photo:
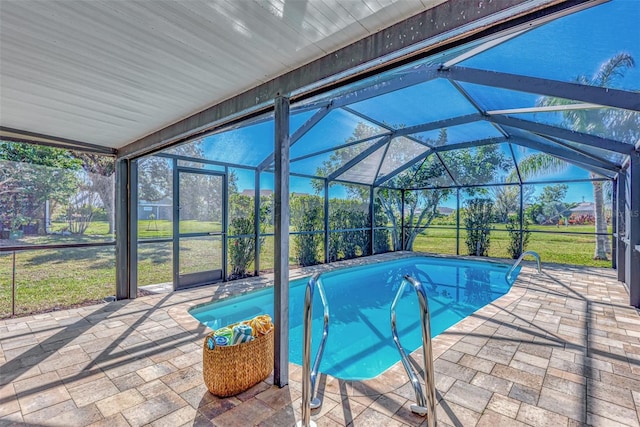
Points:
(309, 375)
(424, 405)
(519, 260)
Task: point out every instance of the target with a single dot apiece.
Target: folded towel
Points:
(211, 342)
(224, 332)
(260, 324)
(241, 334)
(221, 341)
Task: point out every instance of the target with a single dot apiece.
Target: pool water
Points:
(360, 345)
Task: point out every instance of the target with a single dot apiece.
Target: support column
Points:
(256, 222)
(521, 218)
(614, 223)
(457, 221)
(126, 221)
(632, 226)
(402, 221)
(326, 221)
(372, 217)
(281, 246)
(620, 226)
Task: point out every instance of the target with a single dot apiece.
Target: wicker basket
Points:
(229, 370)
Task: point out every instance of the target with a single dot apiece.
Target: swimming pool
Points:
(360, 345)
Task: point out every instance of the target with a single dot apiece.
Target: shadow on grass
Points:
(96, 257)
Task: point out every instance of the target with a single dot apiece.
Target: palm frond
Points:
(612, 68)
(540, 164)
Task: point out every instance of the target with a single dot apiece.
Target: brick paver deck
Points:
(560, 349)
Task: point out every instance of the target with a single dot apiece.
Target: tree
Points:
(155, 178)
(553, 207)
(100, 171)
(480, 165)
(617, 124)
(507, 199)
(30, 176)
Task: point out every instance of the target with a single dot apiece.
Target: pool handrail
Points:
(424, 406)
(519, 260)
(309, 374)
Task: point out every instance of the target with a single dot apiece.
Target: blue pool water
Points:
(360, 345)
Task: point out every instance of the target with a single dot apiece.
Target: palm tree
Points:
(618, 124)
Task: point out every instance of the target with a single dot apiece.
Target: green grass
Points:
(54, 279)
(556, 248)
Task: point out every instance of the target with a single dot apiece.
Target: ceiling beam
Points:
(410, 39)
(357, 159)
(398, 170)
(446, 123)
(608, 97)
(546, 130)
(579, 150)
(26, 137)
(567, 155)
(444, 165)
(385, 126)
(547, 108)
(369, 119)
(471, 144)
(338, 147)
(485, 46)
(299, 133)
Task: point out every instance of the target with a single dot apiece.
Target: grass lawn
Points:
(59, 278)
(557, 248)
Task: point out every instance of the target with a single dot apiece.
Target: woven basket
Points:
(229, 370)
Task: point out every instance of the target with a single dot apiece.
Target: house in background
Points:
(445, 211)
(161, 209)
(585, 213)
(251, 192)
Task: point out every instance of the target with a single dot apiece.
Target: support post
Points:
(225, 225)
(281, 246)
(632, 261)
(256, 222)
(614, 223)
(521, 217)
(326, 221)
(126, 228)
(458, 221)
(371, 218)
(620, 229)
(175, 223)
(402, 221)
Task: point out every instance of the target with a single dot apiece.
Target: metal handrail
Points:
(519, 260)
(424, 406)
(309, 375)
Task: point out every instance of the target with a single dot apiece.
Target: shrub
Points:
(243, 249)
(477, 222)
(346, 215)
(382, 241)
(307, 215)
(513, 227)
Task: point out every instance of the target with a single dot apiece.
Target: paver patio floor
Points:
(562, 348)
